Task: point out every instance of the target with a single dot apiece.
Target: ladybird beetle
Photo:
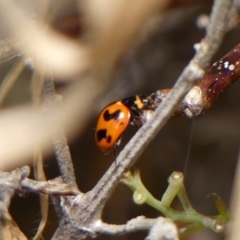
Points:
(115, 118)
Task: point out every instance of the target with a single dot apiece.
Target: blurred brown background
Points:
(155, 64)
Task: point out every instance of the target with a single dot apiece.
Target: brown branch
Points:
(216, 80)
(220, 76)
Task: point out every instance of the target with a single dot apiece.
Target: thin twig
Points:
(133, 225)
(39, 174)
(10, 79)
(60, 142)
(158, 228)
(50, 187)
(62, 151)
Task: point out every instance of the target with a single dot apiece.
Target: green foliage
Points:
(193, 221)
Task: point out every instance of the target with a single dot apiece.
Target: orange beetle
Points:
(115, 118)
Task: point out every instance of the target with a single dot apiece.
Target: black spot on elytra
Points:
(109, 116)
(101, 134)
